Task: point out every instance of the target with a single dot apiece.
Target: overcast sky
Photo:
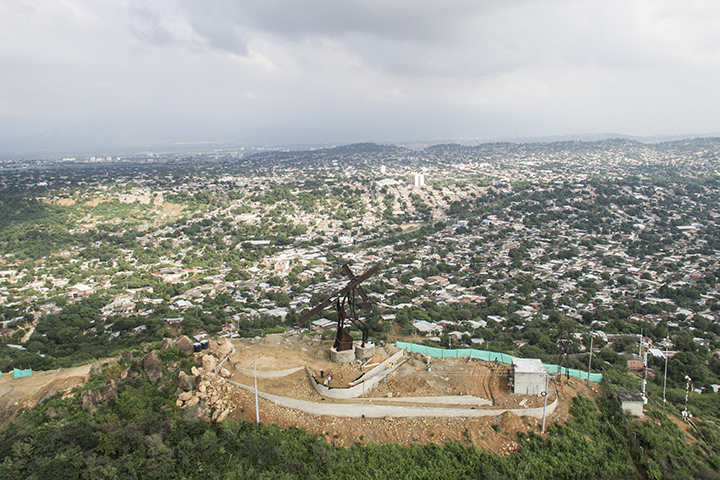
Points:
(356, 70)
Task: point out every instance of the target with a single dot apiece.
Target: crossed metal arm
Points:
(347, 307)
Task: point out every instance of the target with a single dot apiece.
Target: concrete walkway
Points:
(451, 400)
(357, 410)
(248, 372)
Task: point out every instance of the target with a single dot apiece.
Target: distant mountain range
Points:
(126, 137)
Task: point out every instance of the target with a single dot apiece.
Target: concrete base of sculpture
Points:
(343, 356)
(364, 352)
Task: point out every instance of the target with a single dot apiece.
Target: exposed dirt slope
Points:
(21, 393)
(447, 377)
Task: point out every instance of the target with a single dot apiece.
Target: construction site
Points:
(415, 398)
(391, 397)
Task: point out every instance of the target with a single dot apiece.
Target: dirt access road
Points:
(22, 393)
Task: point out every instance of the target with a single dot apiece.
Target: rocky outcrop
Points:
(187, 382)
(111, 390)
(212, 394)
(184, 344)
(209, 363)
(152, 366)
(166, 344)
(90, 400)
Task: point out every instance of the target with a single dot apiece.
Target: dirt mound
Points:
(272, 340)
(411, 379)
(397, 386)
(416, 362)
(21, 393)
(321, 355)
(511, 423)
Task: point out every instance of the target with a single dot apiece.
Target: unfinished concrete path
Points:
(356, 410)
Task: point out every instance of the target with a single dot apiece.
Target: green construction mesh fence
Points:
(489, 357)
(22, 373)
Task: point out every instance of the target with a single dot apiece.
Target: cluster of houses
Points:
(482, 245)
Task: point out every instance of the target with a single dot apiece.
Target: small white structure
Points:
(529, 376)
(633, 402)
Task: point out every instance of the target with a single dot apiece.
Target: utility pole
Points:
(257, 408)
(545, 394)
(665, 379)
(643, 355)
(686, 413)
(592, 337)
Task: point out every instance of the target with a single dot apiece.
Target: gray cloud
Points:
(378, 70)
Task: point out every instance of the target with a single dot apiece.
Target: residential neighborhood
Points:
(504, 247)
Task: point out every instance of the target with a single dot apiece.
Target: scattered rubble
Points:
(212, 392)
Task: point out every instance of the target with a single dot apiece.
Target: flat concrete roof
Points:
(630, 397)
(528, 365)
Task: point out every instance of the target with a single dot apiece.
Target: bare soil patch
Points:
(173, 208)
(22, 393)
(448, 377)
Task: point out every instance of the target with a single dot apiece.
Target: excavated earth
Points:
(281, 363)
(448, 377)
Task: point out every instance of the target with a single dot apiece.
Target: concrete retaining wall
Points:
(357, 410)
(217, 369)
(365, 383)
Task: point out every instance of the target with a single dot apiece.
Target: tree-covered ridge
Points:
(140, 433)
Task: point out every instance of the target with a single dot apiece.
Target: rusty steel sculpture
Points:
(347, 305)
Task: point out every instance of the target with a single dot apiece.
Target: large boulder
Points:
(152, 366)
(89, 400)
(209, 363)
(222, 348)
(96, 369)
(184, 344)
(166, 344)
(187, 382)
(185, 396)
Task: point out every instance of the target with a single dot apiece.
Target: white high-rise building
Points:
(417, 179)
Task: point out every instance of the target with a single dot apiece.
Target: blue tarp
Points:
(488, 357)
(22, 373)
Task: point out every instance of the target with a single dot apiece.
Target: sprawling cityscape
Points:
(598, 256)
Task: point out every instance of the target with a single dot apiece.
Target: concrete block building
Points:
(528, 376)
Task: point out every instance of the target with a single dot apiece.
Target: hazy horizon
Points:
(78, 75)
